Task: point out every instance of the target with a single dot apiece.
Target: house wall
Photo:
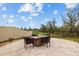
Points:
(12, 32)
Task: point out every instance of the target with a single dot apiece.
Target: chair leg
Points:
(49, 44)
(24, 46)
(33, 45)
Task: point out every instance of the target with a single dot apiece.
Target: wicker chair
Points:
(27, 41)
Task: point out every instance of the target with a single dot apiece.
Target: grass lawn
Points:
(58, 36)
(72, 39)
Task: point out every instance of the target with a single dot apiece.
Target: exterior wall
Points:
(12, 32)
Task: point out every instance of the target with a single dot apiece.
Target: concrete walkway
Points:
(59, 47)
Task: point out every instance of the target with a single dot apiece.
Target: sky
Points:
(33, 14)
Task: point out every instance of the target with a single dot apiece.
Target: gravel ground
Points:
(59, 47)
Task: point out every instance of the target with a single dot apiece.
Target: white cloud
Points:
(39, 7)
(55, 12)
(49, 5)
(4, 15)
(1, 5)
(30, 17)
(4, 8)
(34, 14)
(71, 5)
(42, 12)
(65, 12)
(17, 15)
(11, 16)
(7, 16)
(33, 9)
(22, 17)
(45, 19)
(8, 24)
(32, 25)
(25, 20)
(25, 8)
(10, 20)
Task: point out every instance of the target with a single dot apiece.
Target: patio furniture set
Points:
(36, 41)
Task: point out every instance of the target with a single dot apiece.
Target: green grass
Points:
(75, 39)
(72, 39)
(58, 36)
(39, 33)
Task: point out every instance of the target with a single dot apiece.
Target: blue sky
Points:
(32, 14)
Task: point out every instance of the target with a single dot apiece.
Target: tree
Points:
(25, 29)
(70, 21)
(77, 30)
(43, 28)
(50, 27)
(21, 28)
(30, 29)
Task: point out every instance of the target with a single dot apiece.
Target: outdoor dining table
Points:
(38, 40)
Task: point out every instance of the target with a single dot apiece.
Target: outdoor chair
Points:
(27, 41)
(46, 40)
